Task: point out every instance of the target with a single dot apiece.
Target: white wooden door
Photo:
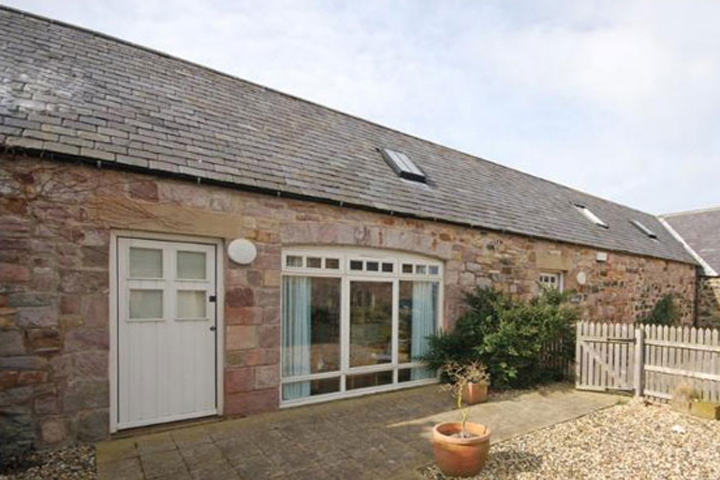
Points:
(166, 331)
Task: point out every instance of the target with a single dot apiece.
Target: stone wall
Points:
(55, 224)
(708, 304)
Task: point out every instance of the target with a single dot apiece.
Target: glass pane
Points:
(191, 304)
(420, 269)
(434, 269)
(146, 304)
(370, 323)
(191, 266)
(332, 263)
(291, 391)
(294, 261)
(356, 265)
(310, 325)
(366, 380)
(146, 263)
(372, 266)
(314, 262)
(407, 268)
(417, 318)
(387, 267)
(411, 374)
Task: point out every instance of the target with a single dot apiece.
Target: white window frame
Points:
(345, 255)
(558, 275)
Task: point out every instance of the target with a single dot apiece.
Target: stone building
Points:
(178, 243)
(699, 231)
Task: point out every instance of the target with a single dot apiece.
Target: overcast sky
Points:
(619, 99)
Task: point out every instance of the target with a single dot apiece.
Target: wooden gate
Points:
(650, 360)
(605, 357)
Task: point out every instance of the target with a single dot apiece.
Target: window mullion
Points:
(395, 326)
(344, 330)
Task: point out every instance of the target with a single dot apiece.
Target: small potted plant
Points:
(460, 448)
(476, 387)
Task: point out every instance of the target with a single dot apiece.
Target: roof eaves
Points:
(276, 190)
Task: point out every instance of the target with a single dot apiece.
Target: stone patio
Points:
(380, 436)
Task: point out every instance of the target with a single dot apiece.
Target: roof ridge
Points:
(690, 212)
(311, 102)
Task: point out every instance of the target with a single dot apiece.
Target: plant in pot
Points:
(460, 448)
(475, 389)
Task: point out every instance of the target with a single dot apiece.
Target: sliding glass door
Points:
(355, 321)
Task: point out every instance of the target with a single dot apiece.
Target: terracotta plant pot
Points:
(460, 457)
(475, 392)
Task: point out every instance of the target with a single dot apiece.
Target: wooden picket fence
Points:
(554, 361)
(648, 360)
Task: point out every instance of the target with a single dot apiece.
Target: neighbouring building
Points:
(699, 231)
(178, 243)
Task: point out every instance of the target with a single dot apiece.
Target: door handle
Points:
(213, 328)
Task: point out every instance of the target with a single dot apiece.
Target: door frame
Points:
(113, 358)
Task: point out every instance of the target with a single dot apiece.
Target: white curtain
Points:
(296, 316)
(424, 308)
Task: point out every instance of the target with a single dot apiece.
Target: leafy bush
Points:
(665, 312)
(507, 336)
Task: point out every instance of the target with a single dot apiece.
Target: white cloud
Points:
(619, 99)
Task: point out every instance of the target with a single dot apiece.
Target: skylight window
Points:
(644, 229)
(591, 216)
(403, 166)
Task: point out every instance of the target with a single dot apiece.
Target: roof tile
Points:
(102, 96)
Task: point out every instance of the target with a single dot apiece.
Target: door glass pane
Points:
(146, 263)
(417, 318)
(366, 380)
(146, 304)
(370, 323)
(294, 261)
(412, 374)
(314, 262)
(191, 265)
(191, 304)
(310, 326)
(315, 387)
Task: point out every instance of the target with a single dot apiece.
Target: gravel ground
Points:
(76, 463)
(630, 441)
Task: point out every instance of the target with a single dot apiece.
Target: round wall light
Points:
(242, 251)
(581, 278)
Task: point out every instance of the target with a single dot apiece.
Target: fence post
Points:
(578, 351)
(639, 373)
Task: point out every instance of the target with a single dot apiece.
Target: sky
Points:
(620, 99)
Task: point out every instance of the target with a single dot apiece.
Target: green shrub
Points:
(665, 312)
(507, 336)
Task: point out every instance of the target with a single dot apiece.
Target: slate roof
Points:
(700, 229)
(71, 91)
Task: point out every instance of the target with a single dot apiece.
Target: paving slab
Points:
(379, 436)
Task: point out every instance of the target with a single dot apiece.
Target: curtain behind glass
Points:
(296, 316)
(424, 308)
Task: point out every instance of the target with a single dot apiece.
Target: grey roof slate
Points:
(701, 231)
(68, 90)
